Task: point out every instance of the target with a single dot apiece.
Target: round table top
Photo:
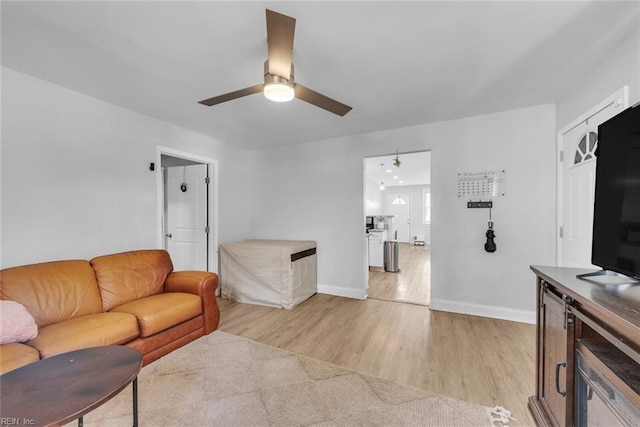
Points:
(62, 388)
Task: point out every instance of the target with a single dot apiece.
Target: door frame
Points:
(212, 165)
(620, 97)
(365, 240)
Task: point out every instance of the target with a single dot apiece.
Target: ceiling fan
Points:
(279, 84)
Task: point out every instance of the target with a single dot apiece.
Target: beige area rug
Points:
(226, 380)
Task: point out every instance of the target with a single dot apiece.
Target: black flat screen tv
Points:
(616, 219)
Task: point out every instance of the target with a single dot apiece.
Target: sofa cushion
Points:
(129, 276)
(159, 312)
(16, 324)
(52, 291)
(14, 356)
(92, 330)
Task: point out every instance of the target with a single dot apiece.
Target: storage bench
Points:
(275, 273)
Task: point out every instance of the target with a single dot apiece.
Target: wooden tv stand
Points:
(572, 313)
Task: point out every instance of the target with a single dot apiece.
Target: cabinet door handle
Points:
(558, 366)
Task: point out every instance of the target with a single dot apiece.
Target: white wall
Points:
(373, 198)
(315, 191)
(496, 284)
(621, 67)
(75, 174)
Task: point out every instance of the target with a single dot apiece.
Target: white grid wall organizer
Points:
(489, 183)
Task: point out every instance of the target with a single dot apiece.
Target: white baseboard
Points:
(341, 291)
(492, 311)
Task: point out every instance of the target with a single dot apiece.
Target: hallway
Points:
(411, 285)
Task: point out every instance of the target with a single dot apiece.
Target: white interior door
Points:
(186, 216)
(579, 168)
(578, 145)
(400, 206)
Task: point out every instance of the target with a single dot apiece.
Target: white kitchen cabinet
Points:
(376, 248)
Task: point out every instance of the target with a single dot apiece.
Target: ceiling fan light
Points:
(278, 92)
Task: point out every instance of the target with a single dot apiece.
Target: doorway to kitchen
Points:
(398, 227)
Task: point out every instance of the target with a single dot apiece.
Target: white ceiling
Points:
(396, 63)
(414, 169)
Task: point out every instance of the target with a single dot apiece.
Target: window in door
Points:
(586, 148)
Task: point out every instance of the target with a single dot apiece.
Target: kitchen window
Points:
(426, 205)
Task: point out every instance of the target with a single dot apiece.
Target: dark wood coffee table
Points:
(63, 388)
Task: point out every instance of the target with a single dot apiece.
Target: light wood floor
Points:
(481, 360)
(411, 285)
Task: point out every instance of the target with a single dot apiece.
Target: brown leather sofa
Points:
(132, 298)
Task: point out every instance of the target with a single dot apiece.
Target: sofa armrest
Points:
(201, 283)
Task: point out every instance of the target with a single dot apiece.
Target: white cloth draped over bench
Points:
(276, 273)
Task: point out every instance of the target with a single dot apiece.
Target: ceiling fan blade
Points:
(319, 100)
(280, 31)
(232, 95)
